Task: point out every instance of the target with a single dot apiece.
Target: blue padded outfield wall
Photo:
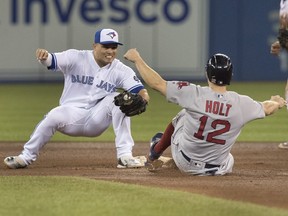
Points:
(176, 37)
(245, 29)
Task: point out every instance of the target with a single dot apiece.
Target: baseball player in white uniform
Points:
(202, 134)
(276, 47)
(91, 78)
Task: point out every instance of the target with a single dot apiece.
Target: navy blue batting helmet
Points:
(219, 69)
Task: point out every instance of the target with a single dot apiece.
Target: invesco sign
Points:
(93, 11)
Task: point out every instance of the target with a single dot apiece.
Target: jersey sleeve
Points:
(61, 61)
(251, 109)
(283, 7)
(128, 79)
(179, 92)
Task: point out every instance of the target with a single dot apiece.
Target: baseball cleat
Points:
(14, 162)
(129, 162)
(283, 145)
(156, 138)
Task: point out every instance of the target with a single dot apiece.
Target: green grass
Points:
(48, 196)
(23, 106)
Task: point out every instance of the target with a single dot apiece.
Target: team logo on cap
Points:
(112, 34)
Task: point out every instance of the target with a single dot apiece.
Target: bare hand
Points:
(281, 101)
(42, 54)
(132, 55)
(275, 48)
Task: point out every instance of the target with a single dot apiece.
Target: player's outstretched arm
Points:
(44, 57)
(144, 94)
(150, 76)
(275, 103)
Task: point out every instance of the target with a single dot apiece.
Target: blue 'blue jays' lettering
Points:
(106, 86)
(82, 79)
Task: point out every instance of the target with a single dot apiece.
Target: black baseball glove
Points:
(283, 38)
(130, 103)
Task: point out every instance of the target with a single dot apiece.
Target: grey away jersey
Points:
(212, 121)
(86, 83)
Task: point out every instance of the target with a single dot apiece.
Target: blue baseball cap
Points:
(106, 36)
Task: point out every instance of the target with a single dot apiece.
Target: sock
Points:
(165, 141)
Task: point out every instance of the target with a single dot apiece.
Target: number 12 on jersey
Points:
(211, 135)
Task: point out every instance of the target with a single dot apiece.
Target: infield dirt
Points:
(260, 173)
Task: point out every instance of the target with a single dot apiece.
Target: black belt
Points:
(207, 166)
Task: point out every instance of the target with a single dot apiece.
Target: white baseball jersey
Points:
(210, 122)
(86, 82)
(86, 105)
(283, 7)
